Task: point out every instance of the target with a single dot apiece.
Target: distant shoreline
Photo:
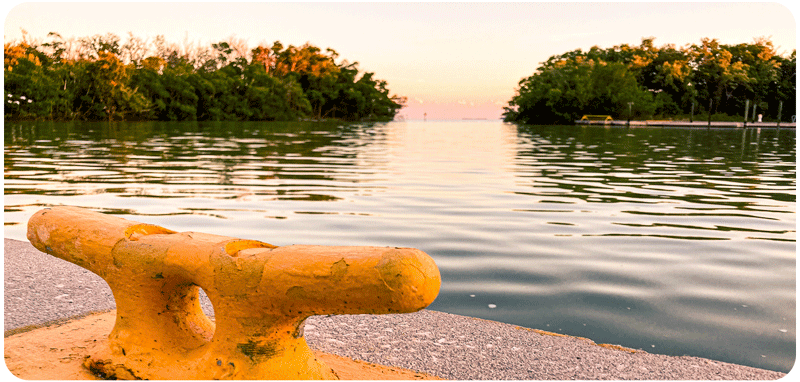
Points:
(716, 124)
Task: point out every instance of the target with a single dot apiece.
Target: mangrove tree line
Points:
(103, 77)
(647, 81)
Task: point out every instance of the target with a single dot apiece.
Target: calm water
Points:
(675, 241)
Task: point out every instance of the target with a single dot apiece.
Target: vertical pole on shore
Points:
(746, 106)
(630, 104)
(780, 109)
(691, 114)
(710, 103)
(754, 111)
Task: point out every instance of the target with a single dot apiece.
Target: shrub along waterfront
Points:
(103, 78)
(646, 81)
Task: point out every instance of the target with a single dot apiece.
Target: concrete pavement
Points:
(41, 289)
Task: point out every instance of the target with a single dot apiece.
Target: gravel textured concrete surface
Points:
(40, 289)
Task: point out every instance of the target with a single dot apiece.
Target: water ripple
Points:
(679, 241)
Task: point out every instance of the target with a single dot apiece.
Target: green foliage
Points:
(648, 81)
(101, 78)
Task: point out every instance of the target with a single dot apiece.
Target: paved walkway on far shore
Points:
(40, 289)
(713, 124)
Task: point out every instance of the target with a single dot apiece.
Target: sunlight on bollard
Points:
(262, 295)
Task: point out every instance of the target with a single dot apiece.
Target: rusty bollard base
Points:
(261, 295)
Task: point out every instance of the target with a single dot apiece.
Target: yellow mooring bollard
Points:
(261, 295)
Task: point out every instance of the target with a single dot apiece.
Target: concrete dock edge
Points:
(40, 289)
(693, 124)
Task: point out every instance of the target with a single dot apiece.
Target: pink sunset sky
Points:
(451, 60)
